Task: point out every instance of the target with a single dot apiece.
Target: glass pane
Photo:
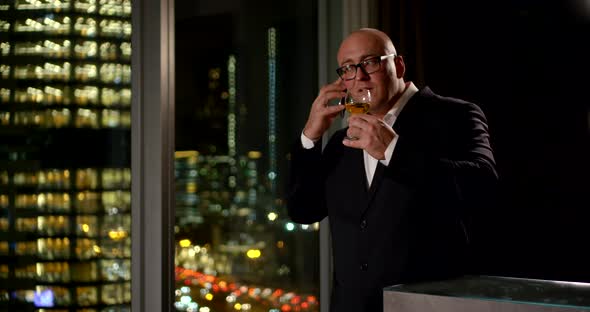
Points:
(65, 97)
(244, 76)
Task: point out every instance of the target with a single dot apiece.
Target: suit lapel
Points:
(360, 172)
(377, 177)
(401, 125)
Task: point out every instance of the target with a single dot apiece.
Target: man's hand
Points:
(321, 115)
(373, 134)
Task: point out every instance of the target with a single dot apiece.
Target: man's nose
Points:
(361, 74)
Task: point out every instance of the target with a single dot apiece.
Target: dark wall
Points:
(526, 64)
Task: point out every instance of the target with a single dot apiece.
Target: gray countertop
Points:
(506, 289)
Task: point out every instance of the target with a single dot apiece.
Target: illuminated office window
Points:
(4, 26)
(236, 249)
(4, 71)
(85, 6)
(65, 177)
(4, 48)
(48, 5)
(45, 25)
(46, 48)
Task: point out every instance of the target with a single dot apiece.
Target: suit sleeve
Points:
(449, 160)
(306, 184)
(305, 187)
(447, 148)
(470, 163)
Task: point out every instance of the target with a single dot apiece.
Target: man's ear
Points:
(400, 67)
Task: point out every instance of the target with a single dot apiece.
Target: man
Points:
(397, 195)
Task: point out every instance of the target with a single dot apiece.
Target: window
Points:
(244, 78)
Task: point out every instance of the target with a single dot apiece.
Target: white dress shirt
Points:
(389, 119)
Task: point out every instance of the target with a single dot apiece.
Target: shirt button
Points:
(364, 266)
(363, 224)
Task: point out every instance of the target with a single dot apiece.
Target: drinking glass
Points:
(357, 102)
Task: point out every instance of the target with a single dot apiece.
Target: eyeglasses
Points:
(369, 66)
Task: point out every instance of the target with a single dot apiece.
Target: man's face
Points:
(383, 83)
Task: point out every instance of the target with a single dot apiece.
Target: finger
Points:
(326, 96)
(335, 86)
(365, 118)
(335, 94)
(338, 82)
(357, 121)
(333, 110)
(352, 143)
(354, 132)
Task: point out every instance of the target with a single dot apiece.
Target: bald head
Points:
(377, 40)
(386, 82)
(383, 37)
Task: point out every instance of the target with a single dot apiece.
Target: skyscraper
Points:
(65, 174)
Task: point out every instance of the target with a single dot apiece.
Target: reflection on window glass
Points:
(65, 176)
(236, 249)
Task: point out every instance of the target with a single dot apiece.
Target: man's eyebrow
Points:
(346, 62)
(368, 56)
(363, 57)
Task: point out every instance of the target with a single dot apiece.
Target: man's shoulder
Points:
(436, 101)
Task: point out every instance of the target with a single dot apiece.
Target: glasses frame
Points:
(362, 65)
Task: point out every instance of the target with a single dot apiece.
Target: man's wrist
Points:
(306, 142)
(389, 151)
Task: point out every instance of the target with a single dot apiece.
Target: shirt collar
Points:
(392, 114)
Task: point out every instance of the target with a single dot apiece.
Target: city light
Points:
(272, 105)
(117, 234)
(289, 226)
(184, 243)
(254, 154)
(186, 154)
(231, 117)
(272, 216)
(253, 253)
(186, 299)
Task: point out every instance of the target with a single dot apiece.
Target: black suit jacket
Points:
(410, 224)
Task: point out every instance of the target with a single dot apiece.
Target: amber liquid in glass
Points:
(357, 108)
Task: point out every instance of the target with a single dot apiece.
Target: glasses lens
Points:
(371, 65)
(350, 73)
(346, 72)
